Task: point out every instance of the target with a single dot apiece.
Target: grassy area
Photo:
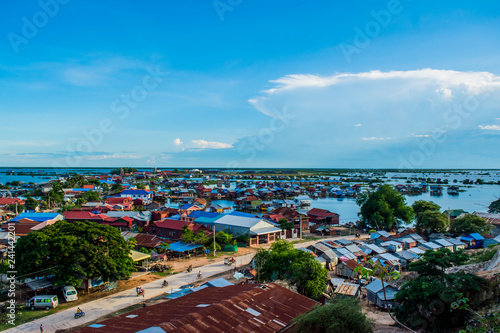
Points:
(485, 255)
(163, 274)
(219, 254)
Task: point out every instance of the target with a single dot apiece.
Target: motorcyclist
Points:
(199, 275)
(165, 283)
(79, 311)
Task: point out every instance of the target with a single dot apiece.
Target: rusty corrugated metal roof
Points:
(349, 289)
(239, 308)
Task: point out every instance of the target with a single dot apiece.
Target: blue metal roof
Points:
(198, 213)
(181, 246)
(220, 282)
(39, 217)
(136, 192)
(186, 206)
(236, 213)
(476, 236)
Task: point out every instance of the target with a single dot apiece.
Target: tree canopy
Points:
(285, 225)
(30, 203)
(341, 314)
(432, 221)
(283, 262)
(425, 303)
(494, 207)
(70, 251)
(384, 208)
(421, 206)
(470, 223)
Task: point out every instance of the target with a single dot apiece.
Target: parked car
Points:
(70, 294)
(46, 302)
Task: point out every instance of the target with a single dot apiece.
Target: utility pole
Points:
(214, 239)
(300, 219)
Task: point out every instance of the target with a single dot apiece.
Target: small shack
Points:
(376, 294)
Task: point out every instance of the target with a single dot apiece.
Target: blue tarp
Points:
(182, 247)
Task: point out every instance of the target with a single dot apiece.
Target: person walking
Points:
(41, 328)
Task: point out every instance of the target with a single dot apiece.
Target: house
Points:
(491, 218)
(250, 202)
(407, 242)
(258, 308)
(20, 228)
(432, 237)
(416, 250)
(145, 196)
(125, 202)
(377, 296)
(457, 245)
(343, 253)
(388, 260)
(292, 215)
(323, 216)
(145, 240)
(406, 257)
(473, 241)
(392, 246)
(369, 248)
(187, 209)
(303, 200)
(39, 217)
(431, 246)
(445, 244)
(348, 289)
(172, 229)
(454, 213)
(346, 268)
(259, 230)
(491, 241)
(4, 202)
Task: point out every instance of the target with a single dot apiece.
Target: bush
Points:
(342, 314)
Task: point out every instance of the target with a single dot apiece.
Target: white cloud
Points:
(204, 144)
(395, 109)
(178, 142)
(372, 138)
(27, 143)
(112, 157)
(358, 125)
(490, 127)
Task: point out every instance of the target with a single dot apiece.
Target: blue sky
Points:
(238, 83)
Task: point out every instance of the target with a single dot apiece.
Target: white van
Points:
(46, 302)
(70, 294)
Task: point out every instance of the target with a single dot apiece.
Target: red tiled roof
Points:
(321, 212)
(172, 224)
(237, 309)
(118, 201)
(10, 201)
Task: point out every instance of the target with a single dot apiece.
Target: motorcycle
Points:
(78, 315)
(140, 293)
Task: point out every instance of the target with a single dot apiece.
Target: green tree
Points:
(12, 208)
(116, 188)
(223, 238)
(341, 314)
(213, 246)
(187, 234)
(470, 223)
(141, 186)
(30, 204)
(494, 207)
(284, 262)
(431, 221)
(421, 206)
(425, 302)
(201, 238)
(285, 225)
(384, 208)
(69, 251)
(88, 196)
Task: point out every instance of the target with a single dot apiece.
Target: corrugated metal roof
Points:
(349, 289)
(238, 308)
